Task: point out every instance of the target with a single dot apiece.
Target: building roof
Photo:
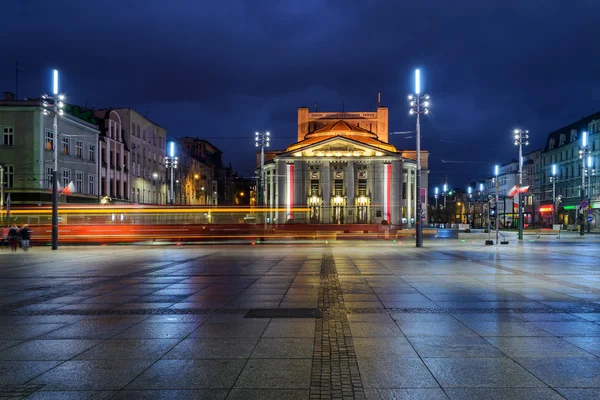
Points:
(580, 126)
(343, 129)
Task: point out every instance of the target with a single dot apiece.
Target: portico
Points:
(344, 174)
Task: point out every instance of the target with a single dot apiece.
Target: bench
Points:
(543, 232)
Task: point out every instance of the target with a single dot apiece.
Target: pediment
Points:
(340, 146)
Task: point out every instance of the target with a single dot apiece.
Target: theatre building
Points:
(343, 171)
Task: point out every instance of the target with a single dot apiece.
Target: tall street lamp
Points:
(521, 138)
(469, 196)
(496, 222)
(589, 171)
(171, 162)
(553, 179)
(583, 153)
(436, 198)
(261, 139)
(418, 105)
(53, 105)
(481, 189)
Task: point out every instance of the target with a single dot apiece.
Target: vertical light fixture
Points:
(496, 174)
(521, 138)
(553, 178)
(53, 105)
(171, 163)
(419, 105)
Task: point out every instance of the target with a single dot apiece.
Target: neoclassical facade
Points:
(342, 170)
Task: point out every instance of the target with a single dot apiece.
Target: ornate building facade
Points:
(343, 171)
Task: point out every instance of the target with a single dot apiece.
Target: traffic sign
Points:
(590, 218)
(583, 204)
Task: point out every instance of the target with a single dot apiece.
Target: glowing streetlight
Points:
(418, 106)
(521, 138)
(53, 106)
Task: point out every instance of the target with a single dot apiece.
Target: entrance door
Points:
(338, 215)
(362, 215)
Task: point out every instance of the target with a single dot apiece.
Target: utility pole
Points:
(521, 138)
(53, 105)
(418, 105)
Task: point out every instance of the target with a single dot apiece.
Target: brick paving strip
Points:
(334, 372)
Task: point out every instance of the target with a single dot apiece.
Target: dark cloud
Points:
(224, 69)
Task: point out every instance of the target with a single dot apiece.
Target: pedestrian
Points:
(13, 237)
(25, 234)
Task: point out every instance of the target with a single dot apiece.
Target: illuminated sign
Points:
(569, 207)
(546, 209)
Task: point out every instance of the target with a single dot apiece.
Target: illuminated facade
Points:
(344, 171)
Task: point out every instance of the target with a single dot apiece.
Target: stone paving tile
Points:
(439, 328)
(480, 372)
(39, 350)
(129, 349)
(72, 395)
(506, 328)
(409, 373)
(275, 373)
(384, 347)
(453, 347)
(268, 394)
(19, 372)
(367, 329)
(568, 328)
(297, 347)
(405, 394)
(291, 327)
(92, 374)
(26, 331)
(212, 348)
(189, 374)
(503, 393)
(214, 394)
(536, 347)
(589, 344)
(242, 328)
(565, 372)
(579, 394)
(145, 330)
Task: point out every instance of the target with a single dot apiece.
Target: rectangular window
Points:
(8, 136)
(91, 184)
(9, 176)
(66, 177)
(79, 182)
(49, 171)
(314, 187)
(338, 187)
(49, 140)
(92, 152)
(65, 145)
(79, 149)
(362, 187)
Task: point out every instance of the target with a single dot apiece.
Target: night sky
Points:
(220, 70)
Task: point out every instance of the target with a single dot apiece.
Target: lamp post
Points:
(436, 201)
(481, 187)
(261, 140)
(171, 162)
(589, 172)
(553, 179)
(469, 196)
(418, 105)
(583, 152)
(53, 105)
(496, 173)
(521, 138)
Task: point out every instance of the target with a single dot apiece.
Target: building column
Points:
(395, 196)
(271, 194)
(281, 190)
(107, 169)
(122, 173)
(350, 178)
(114, 160)
(326, 187)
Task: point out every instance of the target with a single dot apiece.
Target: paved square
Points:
(348, 320)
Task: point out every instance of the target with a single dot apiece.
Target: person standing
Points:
(25, 234)
(13, 237)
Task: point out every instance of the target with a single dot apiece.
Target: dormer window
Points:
(562, 139)
(551, 144)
